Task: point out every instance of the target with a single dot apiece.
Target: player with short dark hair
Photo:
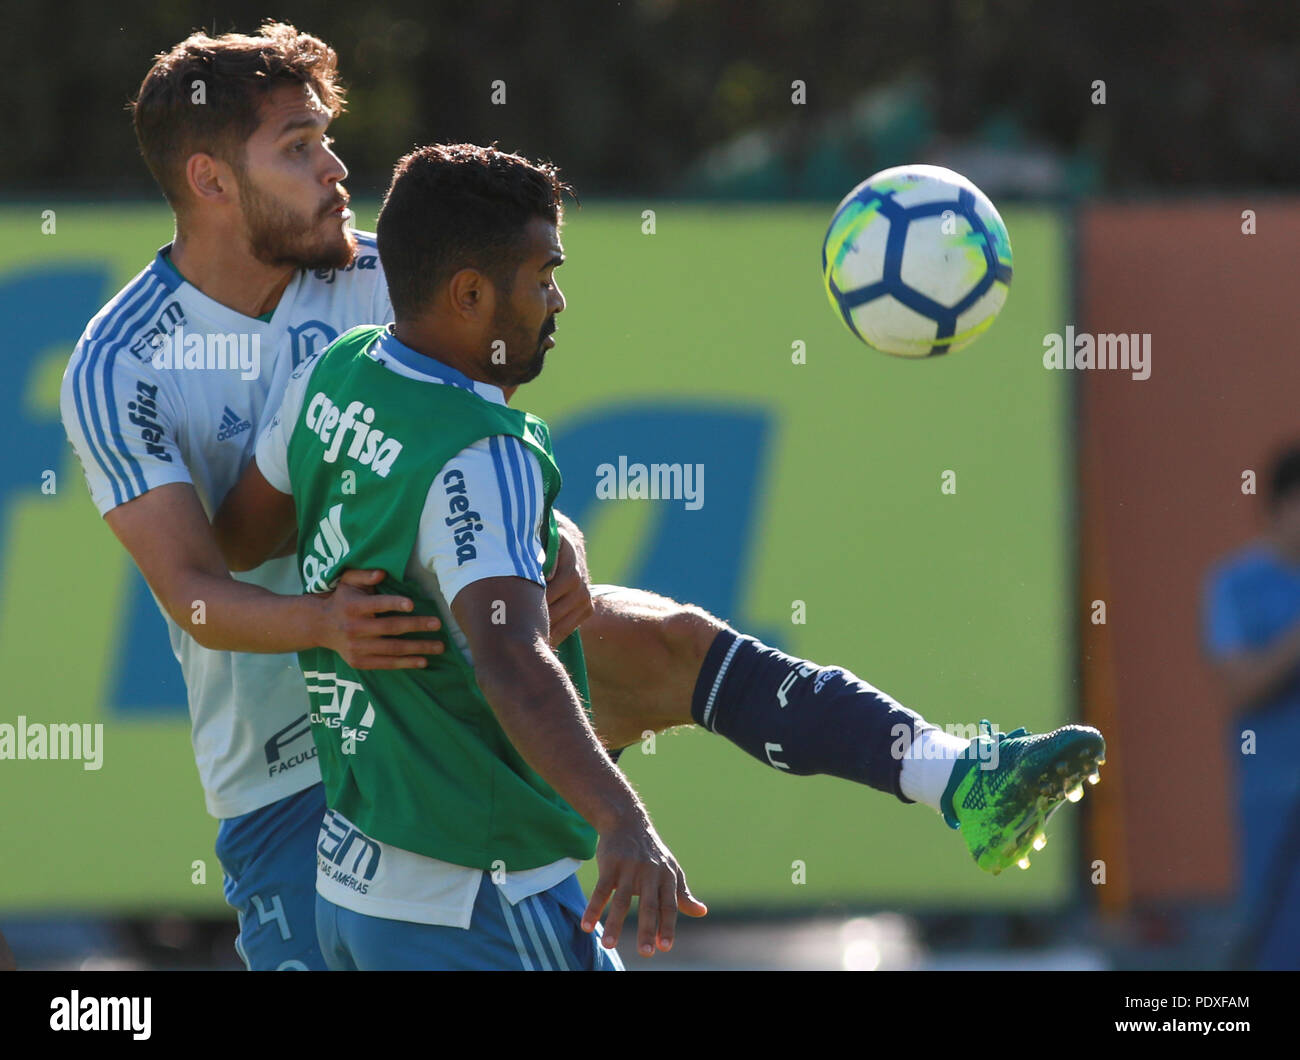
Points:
(462, 797)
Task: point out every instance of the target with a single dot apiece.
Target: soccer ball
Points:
(917, 261)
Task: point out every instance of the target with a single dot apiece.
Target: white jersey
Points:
(167, 385)
(503, 478)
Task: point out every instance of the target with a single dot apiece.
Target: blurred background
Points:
(1146, 160)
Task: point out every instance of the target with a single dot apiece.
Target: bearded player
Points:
(234, 129)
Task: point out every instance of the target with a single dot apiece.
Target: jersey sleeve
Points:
(123, 423)
(272, 452)
(482, 516)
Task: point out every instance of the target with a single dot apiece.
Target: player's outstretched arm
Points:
(541, 713)
(169, 537)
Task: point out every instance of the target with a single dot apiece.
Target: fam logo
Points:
(149, 340)
(345, 855)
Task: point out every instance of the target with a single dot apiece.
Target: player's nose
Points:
(335, 172)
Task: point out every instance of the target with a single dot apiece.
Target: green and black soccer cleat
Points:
(1006, 786)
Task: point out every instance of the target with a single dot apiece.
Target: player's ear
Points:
(470, 293)
(208, 178)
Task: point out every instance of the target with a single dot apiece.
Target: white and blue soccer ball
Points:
(917, 261)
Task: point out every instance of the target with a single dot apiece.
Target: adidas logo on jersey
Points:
(328, 549)
(231, 425)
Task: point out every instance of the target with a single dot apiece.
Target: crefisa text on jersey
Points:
(370, 448)
(210, 352)
(362, 263)
(143, 412)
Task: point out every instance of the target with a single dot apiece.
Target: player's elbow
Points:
(191, 615)
(513, 671)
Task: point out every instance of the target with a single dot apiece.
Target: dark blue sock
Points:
(799, 717)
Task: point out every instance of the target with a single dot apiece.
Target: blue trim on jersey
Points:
(511, 507)
(114, 424)
(535, 518)
(134, 308)
(517, 456)
(137, 302)
(497, 449)
(139, 291)
(532, 514)
(110, 400)
(164, 271)
(390, 346)
(86, 432)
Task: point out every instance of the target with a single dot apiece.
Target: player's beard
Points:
(278, 235)
(515, 371)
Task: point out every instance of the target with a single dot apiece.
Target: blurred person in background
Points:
(1252, 631)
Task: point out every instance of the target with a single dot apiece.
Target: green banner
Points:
(698, 335)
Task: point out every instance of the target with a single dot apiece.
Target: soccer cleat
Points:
(1006, 786)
